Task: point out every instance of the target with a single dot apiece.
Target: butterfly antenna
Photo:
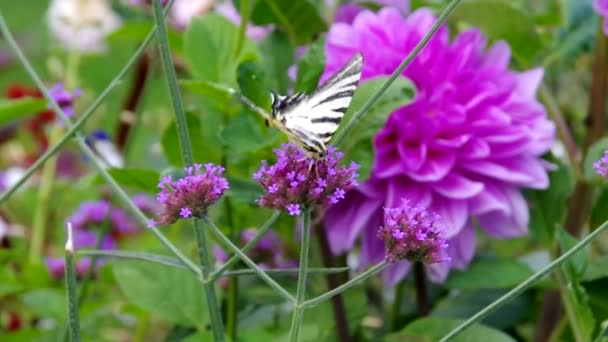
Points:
(248, 103)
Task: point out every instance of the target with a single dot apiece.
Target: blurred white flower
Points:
(184, 11)
(82, 25)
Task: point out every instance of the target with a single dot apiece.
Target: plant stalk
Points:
(298, 310)
(70, 285)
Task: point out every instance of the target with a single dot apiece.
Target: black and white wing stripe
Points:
(311, 120)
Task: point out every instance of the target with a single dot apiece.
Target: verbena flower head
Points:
(601, 165)
(472, 137)
(82, 239)
(601, 7)
(64, 99)
(93, 215)
(191, 195)
(293, 182)
(414, 234)
(82, 25)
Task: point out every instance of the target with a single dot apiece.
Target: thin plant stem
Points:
(288, 271)
(183, 136)
(258, 271)
(527, 283)
(43, 201)
(99, 167)
(248, 246)
(340, 136)
(84, 283)
(397, 303)
(566, 295)
(70, 286)
(209, 287)
(298, 310)
(356, 280)
(422, 293)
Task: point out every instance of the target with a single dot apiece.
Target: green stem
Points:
(183, 134)
(399, 294)
(258, 271)
(99, 166)
(298, 310)
(209, 287)
(242, 28)
(43, 202)
(567, 299)
(340, 136)
(81, 119)
(84, 283)
(248, 246)
(70, 285)
(356, 280)
(524, 285)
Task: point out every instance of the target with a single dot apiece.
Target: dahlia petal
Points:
(372, 249)
(498, 56)
(455, 214)
(438, 272)
(474, 148)
(402, 188)
(347, 219)
(456, 186)
(491, 199)
(387, 165)
(412, 156)
(508, 170)
(462, 247)
(396, 272)
(434, 169)
(502, 225)
(528, 82)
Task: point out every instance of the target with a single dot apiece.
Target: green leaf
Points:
(210, 44)
(433, 328)
(243, 135)
(20, 108)
(137, 179)
(489, 274)
(216, 95)
(137, 30)
(46, 303)
(464, 304)
(577, 263)
(243, 190)
(278, 56)
(299, 18)
(254, 83)
(502, 20)
(597, 269)
(310, 67)
(548, 207)
(203, 147)
(596, 151)
(173, 294)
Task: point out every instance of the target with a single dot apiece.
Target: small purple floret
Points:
(601, 165)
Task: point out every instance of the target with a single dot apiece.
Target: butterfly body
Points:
(310, 121)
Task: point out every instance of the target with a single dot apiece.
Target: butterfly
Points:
(310, 120)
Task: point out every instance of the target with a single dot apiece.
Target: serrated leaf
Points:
(210, 44)
(299, 18)
(173, 294)
(278, 57)
(310, 67)
(203, 148)
(433, 328)
(254, 83)
(490, 274)
(137, 179)
(20, 108)
(502, 20)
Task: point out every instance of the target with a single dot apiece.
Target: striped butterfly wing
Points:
(311, 120)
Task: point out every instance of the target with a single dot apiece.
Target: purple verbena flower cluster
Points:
(296, 181)
(412, 233)
(191, 195)
(601, 165)
(64, 99)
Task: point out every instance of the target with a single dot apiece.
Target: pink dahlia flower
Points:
(464, 147)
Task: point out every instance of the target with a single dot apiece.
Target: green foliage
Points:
(201, 140)
(19, 109)
(489, 274)
(210, 45)
(502, 20)
(298, 18)
(136, 179)
(254, 83)
(173, 294)
(310, 67)
(277, 57)
(433, 328)
(48, 303)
